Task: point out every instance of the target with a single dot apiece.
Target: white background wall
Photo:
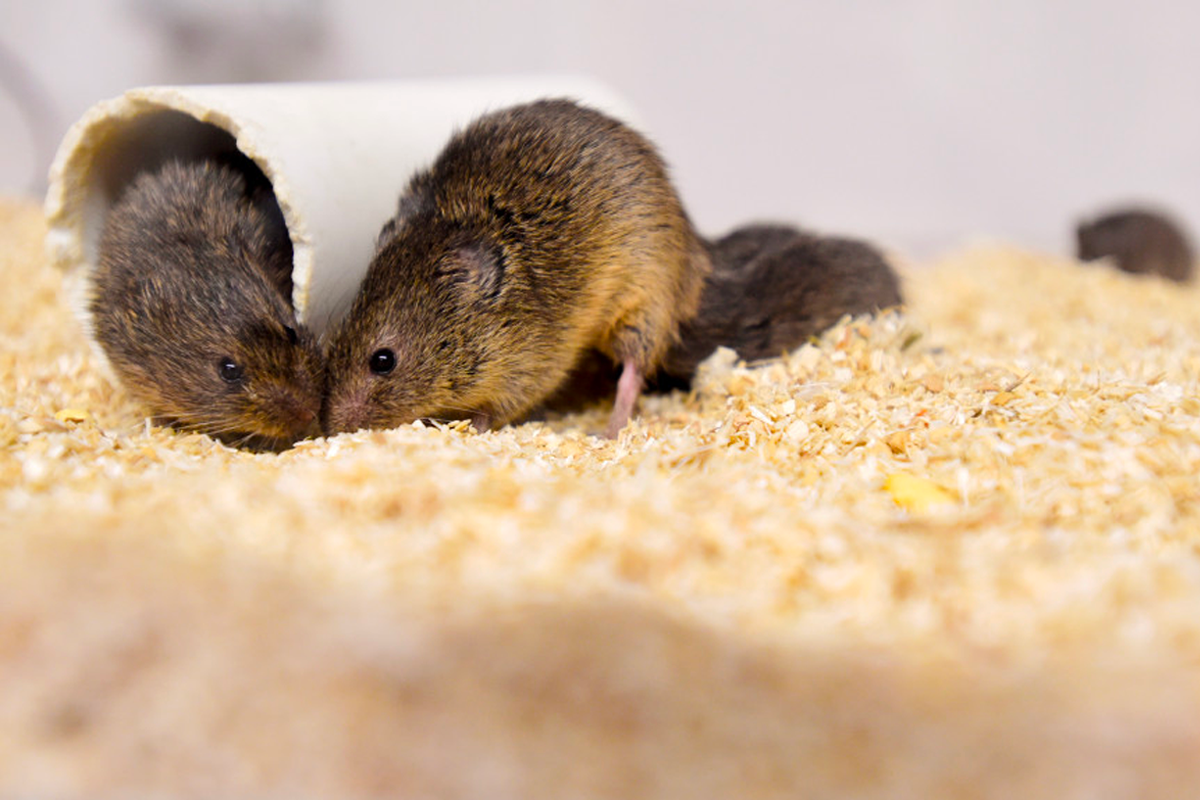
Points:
(917, 122)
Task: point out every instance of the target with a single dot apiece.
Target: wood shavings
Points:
(734, 549)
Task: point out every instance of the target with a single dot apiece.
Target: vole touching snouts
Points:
(540, 232)
(191, 304)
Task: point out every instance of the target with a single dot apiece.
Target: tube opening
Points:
(147, 142)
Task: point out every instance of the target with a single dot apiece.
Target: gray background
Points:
(918, 122)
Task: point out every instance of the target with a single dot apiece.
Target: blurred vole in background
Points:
(1138, 240)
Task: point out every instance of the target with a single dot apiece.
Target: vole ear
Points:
(480, 267)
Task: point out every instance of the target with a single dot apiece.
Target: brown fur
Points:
(772, 288)
(1138, 241)
(194, 269)
(540, 232)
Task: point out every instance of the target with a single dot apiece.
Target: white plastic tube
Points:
(337, 155)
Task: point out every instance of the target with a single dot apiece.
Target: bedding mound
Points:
(951, 552)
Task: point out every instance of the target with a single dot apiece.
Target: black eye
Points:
(382, 361)
(229, 371)
(291, 334)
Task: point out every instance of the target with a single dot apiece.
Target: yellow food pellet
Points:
(72, 415)
(914, 493)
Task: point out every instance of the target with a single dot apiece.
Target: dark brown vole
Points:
(191, 305)
(773, 287)
(1138, 240)
(540, 232)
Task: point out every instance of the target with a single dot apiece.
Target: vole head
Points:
(187, 315)
(435, 331)
(1099, 238)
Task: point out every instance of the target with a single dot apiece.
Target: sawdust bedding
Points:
(951, 552)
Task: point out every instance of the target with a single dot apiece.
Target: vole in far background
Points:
(541, 232)
(772, 288)
(191, 303)
(1138, 240)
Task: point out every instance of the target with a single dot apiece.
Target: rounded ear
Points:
(480, 267)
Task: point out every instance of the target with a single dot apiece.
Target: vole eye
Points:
(382, 361)
(293, 338)
(229, 370)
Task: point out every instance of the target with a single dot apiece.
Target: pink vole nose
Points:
(294, 414)
(344, 414)
(304, 416)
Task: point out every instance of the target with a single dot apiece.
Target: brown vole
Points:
(772, 288)
(541, 231)
(190, 303)
(1138, 240)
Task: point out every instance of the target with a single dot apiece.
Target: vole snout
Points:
(345, 413)
(293, 413)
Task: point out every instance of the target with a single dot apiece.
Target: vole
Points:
(1138, 240)
(540, 232)
(190, 302)
(773, 287)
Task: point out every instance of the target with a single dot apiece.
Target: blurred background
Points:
(919, 123)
